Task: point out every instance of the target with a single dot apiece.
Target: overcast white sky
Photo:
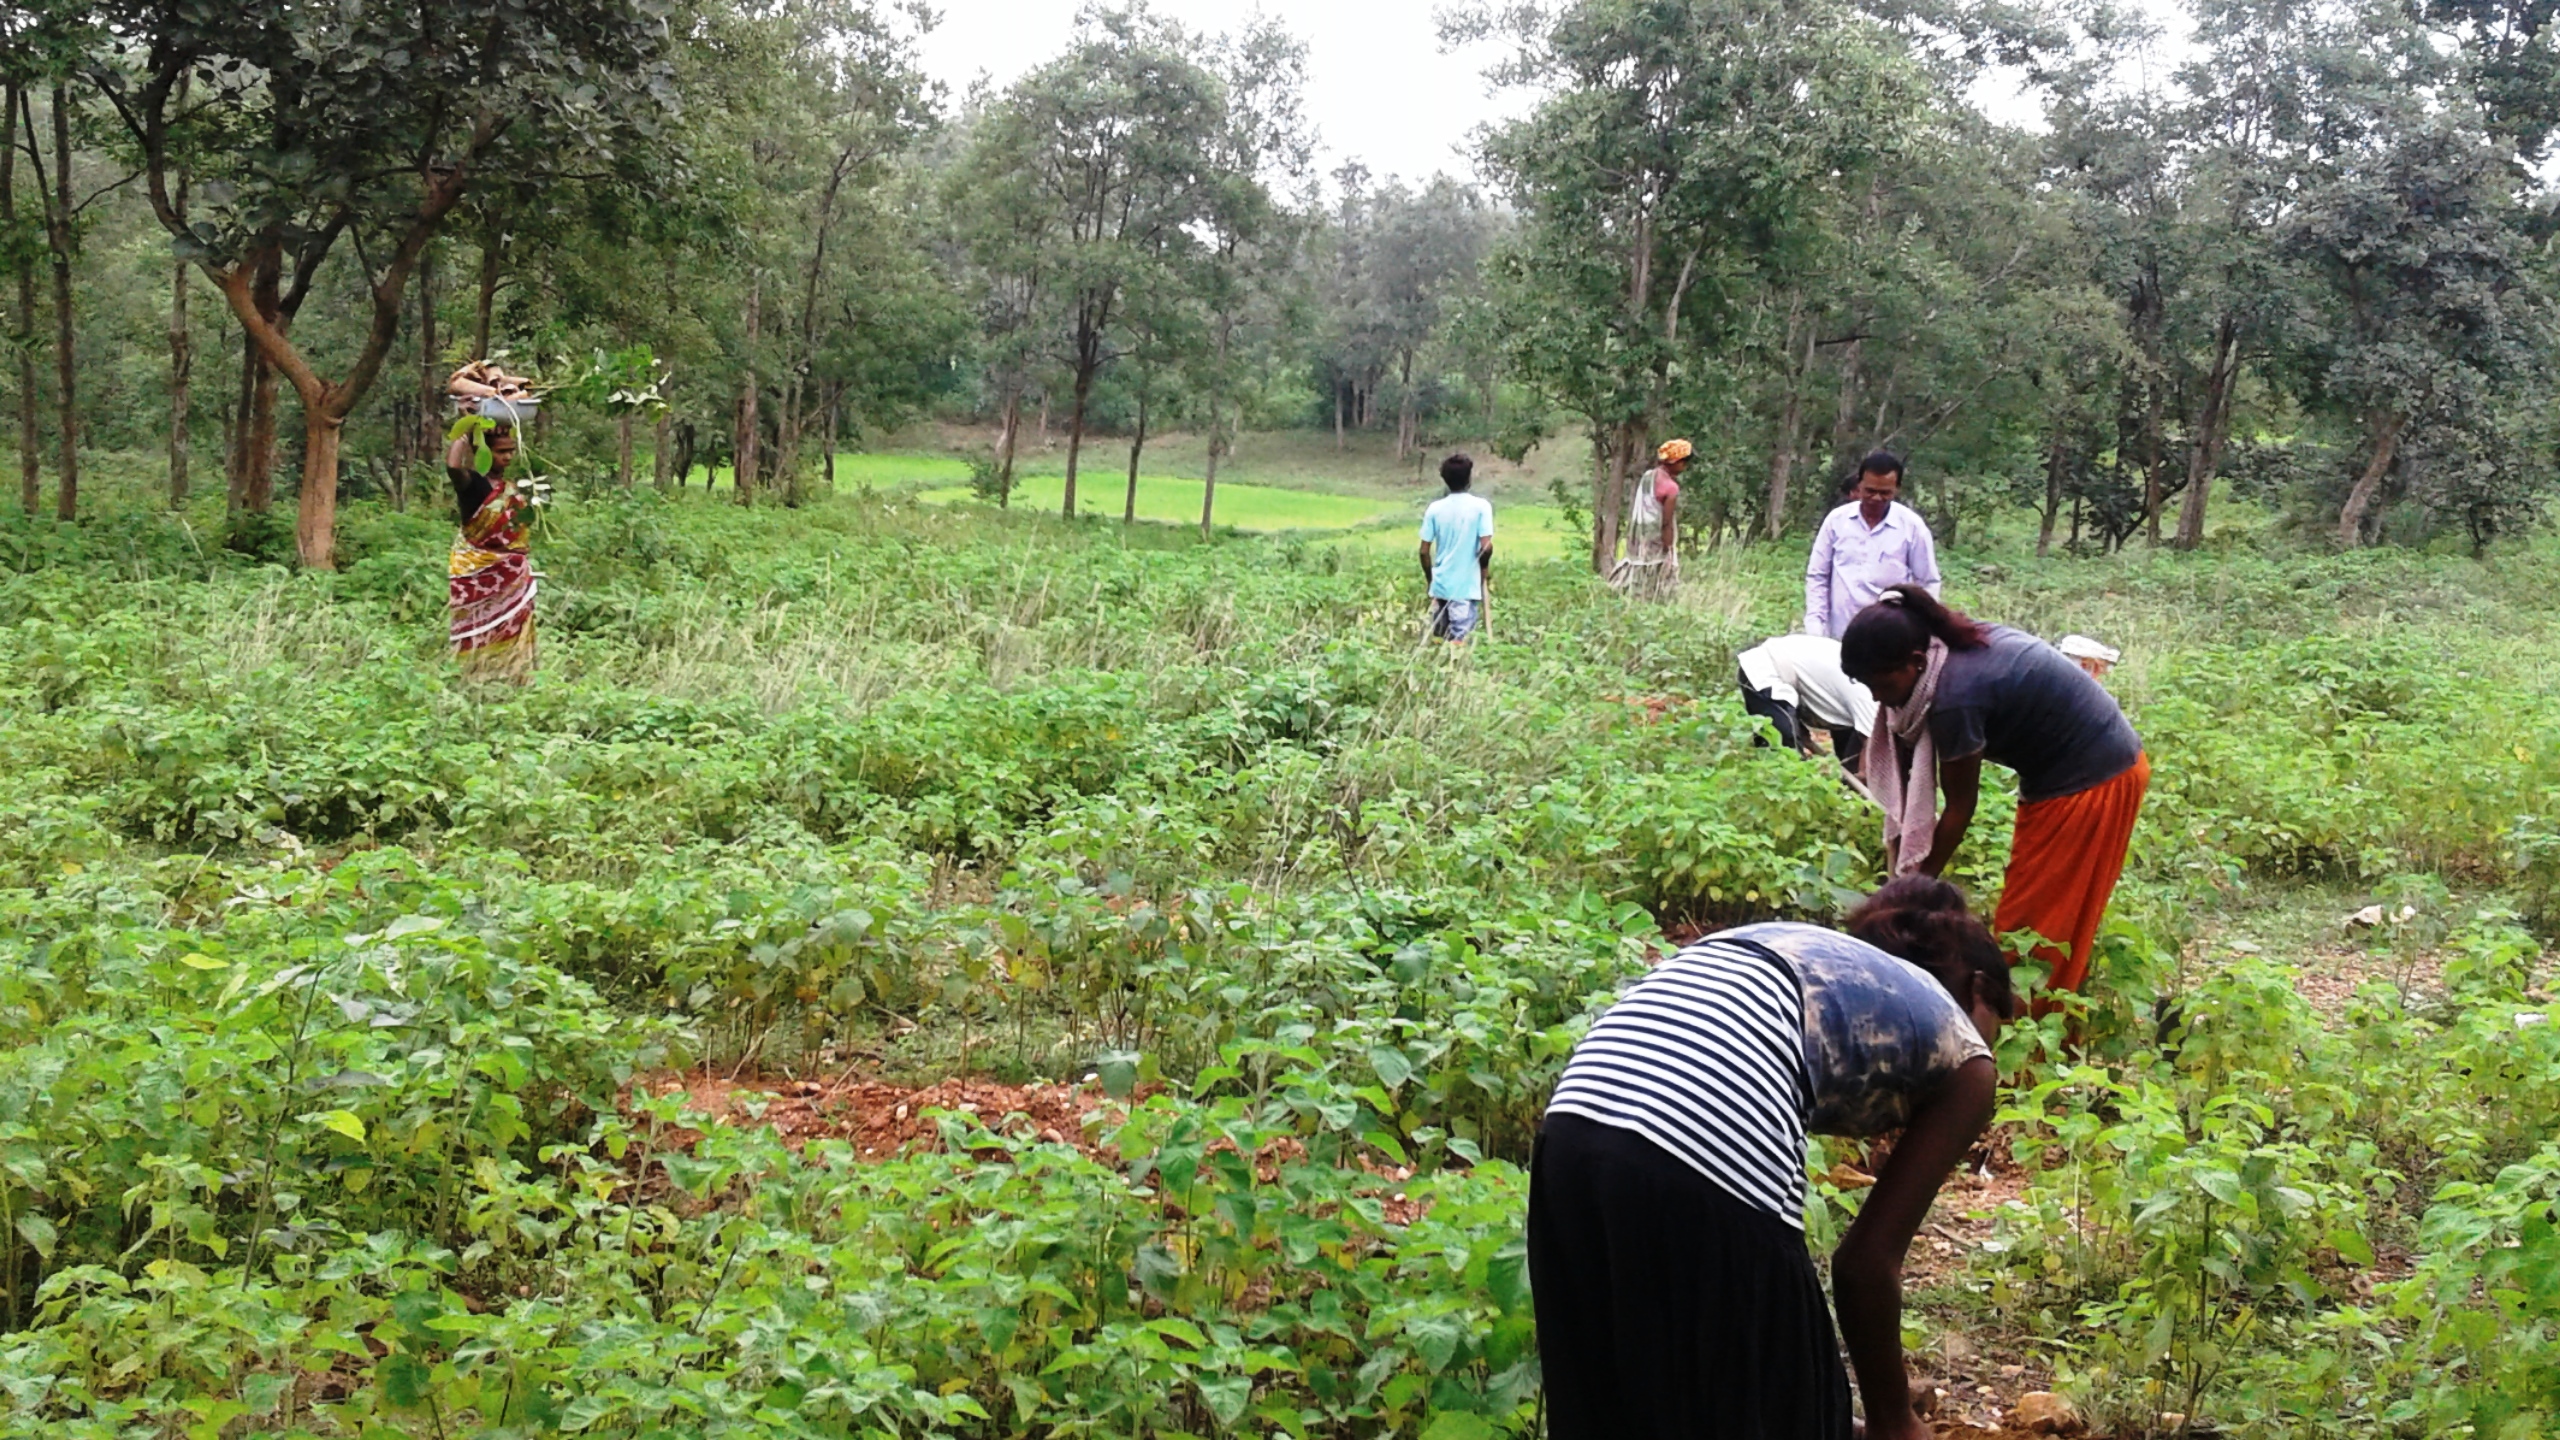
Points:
(1378, 88)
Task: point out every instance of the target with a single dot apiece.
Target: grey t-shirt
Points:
(2021, 703)
(1880, 1033)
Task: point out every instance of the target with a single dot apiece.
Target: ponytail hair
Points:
(1901, 623)
(1924, 920)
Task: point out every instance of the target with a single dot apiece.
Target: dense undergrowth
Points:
(325, 981)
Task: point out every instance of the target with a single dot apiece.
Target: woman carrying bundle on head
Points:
(490, 579)
(1674, 1292)
(1953, 693)
(1651, 567)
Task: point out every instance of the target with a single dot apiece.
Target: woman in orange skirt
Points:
(1953, 693)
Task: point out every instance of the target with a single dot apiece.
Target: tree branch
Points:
(101, 194)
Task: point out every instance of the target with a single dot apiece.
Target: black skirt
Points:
(1667, 1309)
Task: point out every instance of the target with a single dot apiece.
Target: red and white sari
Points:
(490, 591)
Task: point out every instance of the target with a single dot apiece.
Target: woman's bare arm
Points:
(1866, 1271)
(1960, 783)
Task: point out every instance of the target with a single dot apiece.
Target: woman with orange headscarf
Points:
(1652, 563)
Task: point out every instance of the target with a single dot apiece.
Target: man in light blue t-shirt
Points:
(1457, 552)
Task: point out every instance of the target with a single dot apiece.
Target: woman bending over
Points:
(1955, 693)
(1675, 1296)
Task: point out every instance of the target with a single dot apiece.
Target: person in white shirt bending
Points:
(1792, 679)
(1865, 546)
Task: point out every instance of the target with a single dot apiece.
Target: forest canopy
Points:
(2297, 250)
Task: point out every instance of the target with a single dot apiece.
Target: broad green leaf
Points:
(1392, 1067)
(1119, 1072)
(2222, 1185)
(1460, 1425)
(1225, 1395)
(38, 1232)
(404, 1379)
(344, 1122)
(1506, 1274)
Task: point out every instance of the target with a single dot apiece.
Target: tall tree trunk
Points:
(1341, 437)
(661, 457)
(1075, 432)
(22, 324)
(258, 482)
(430, 384)
(66, 495)
(769, 446)
(2155, 461)
(1005, 444)
(1218, 423)
(258, 449)
(230, 445)
(2204, 458)
(1609, 505)
(623, 451)
(792, 424)
(236, 450)
(1782, 449)
(787, 403)
(1137, 442)
(1846, 446)
(493, 250)
(400, 471)
(2386, 443)
(2145, 318)
(182, 364)
(1782, 460)
(315, 522)
(743, 465)
(1405, 438)
(2054, 461)
(30, 418)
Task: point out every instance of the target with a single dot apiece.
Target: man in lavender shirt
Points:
(1864, 546)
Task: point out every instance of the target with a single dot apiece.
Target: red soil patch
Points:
(1655, 707)
(881, 1120)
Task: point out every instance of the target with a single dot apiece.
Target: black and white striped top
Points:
(1728, 1053)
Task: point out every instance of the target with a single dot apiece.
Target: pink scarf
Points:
(1909, 797)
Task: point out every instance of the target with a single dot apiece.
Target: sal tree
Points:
(1265, 139)
(2423, 311)
(1683, 146)
(313, 131)
(1104, 157)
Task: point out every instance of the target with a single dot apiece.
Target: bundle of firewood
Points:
(481, 380)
